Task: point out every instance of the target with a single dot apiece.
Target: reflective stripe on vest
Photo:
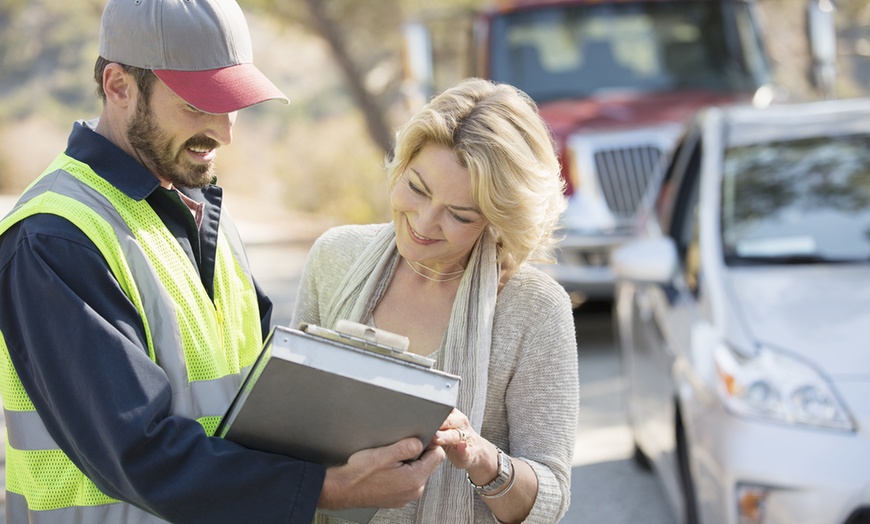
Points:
(16, 511)
(205, 348)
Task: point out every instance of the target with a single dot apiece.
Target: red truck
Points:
(615, 80)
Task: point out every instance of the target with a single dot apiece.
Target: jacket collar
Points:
(110, 161)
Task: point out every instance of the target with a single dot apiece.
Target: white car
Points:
(742, 312)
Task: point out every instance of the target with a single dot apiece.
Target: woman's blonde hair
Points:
(497, 134)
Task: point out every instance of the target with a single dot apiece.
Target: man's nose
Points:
(221, 128)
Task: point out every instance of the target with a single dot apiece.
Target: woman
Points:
(476, 195)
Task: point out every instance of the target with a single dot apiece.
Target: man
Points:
(127, 312)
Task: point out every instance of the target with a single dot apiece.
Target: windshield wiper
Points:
(733, 259)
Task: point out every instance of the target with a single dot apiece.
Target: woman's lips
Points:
(418, 238)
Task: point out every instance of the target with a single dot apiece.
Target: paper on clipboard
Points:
(370, 338)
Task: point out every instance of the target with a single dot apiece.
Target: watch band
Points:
(505, 473)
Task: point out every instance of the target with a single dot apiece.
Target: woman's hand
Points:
(466, 449)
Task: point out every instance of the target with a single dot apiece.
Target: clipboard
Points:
(321, 395)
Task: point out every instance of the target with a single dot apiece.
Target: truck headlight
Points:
(777, 387)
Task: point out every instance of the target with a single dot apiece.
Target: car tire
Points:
(690, 506)
(640, 459)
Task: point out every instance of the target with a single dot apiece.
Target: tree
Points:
(365, 40)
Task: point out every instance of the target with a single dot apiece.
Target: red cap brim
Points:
(222, 90)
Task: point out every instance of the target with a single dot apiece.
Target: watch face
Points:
(504, 474)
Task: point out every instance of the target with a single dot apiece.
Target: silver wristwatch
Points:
(505, 470)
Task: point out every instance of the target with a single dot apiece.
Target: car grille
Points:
(624, 174)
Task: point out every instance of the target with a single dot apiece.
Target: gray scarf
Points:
(464, 350)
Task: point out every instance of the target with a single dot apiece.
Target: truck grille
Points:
(624, 173)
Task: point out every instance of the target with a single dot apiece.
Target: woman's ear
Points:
(118, 85)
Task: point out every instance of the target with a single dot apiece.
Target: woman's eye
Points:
(461, 219)
(414, 188)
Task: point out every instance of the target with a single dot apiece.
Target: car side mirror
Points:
(648, 260)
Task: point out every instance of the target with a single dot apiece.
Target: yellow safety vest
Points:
(220, 340)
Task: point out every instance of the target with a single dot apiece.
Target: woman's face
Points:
(437, 221)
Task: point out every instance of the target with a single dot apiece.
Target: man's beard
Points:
(156, 151)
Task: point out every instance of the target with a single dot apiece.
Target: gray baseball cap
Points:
(201, 49)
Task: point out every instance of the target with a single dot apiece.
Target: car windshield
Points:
(570, 51)
(797, 202)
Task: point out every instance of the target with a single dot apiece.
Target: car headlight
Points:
(777, 387)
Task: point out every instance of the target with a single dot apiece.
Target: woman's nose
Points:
(427, 221)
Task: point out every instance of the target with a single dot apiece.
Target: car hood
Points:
(819, 312)
(619, 109)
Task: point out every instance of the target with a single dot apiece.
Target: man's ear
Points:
(118, 85)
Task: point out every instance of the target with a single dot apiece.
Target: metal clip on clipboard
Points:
(369, 338)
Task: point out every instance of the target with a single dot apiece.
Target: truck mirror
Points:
(418, 67)
(822, 37)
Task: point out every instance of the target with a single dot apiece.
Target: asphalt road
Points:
(607, 487)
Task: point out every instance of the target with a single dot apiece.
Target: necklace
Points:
(453, 275)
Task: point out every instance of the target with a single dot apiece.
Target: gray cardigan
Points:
(533, 392)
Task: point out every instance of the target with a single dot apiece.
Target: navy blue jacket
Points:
(78, 346)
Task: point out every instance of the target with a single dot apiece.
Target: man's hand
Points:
(387, 477)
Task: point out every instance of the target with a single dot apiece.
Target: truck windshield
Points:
(577, 50)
